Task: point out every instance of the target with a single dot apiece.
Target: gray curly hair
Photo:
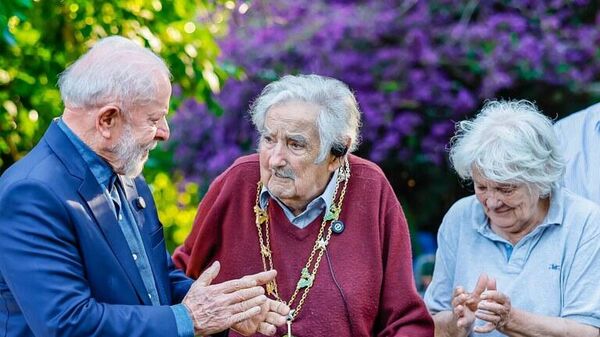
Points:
(339, 117)
(509, 142)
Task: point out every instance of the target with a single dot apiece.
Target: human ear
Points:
(337, 155)
(107, 119)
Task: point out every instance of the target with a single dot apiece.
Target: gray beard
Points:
(131, 156)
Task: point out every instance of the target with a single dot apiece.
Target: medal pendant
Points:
(271, 288)
(289, 320)
(289, 328)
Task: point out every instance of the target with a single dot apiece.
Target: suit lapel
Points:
(140, 215)
(98, 203)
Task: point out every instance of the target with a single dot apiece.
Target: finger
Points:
(495, 296)
(491, 284)
(487, 316)
(460, 299)
(278, 307)
(235, 285)
(275, 319)
(209, 274)
(458, 290)
(264, 309)
(266, 329)
(487, 327)
(244, 294)
(459, 311)
(481, 284)
(491, 306)
(244, 315)
(262, 277)
(248, 304)
(248, 281)
(489, 313)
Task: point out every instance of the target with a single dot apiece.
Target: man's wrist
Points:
(183, 320)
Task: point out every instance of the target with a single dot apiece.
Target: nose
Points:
(492, 201)
(277, 156)
(162, 130)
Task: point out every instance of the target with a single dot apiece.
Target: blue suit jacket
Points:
(65, 266)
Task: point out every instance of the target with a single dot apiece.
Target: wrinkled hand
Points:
(272, 314)
(464, 316)
(494, 309)
(218, 307)
(464, 304)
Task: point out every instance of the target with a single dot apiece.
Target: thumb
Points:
(209, 274)
(491, 284)
(482, 282)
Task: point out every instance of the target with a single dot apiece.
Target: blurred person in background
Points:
(579, 142)
(521, 257)
(327, 220)
(82, 251)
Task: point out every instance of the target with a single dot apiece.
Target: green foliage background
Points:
(39, 39)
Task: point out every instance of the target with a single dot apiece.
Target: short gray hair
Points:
(509, 142)
(339, 116)
(114, 69)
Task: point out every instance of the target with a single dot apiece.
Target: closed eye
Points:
(507, 190)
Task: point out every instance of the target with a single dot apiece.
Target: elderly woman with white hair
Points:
(527, 249)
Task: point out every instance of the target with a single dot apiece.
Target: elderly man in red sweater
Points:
(328, 221)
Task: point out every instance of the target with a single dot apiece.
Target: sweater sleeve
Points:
(201, 245)
(401, 310)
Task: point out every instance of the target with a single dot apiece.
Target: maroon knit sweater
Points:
(370, 261)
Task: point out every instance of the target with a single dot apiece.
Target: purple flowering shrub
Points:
(415, 66)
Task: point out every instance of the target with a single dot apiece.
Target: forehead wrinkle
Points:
(298, 138)
(299, 131)
(293, 121)
(482, 181)
(290, 114)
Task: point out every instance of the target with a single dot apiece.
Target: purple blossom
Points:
(414, 66)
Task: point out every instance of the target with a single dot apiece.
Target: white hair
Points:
(509, 142)
(115, 69)
(338, 120)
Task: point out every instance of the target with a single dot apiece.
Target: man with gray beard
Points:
(82, 251)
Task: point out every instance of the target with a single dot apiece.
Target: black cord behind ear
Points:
(338, 150)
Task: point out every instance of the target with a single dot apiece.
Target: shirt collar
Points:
(99, 167)
(556, 210)
(324, 200)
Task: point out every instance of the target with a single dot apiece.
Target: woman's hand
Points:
(465, 305)
(494, 308)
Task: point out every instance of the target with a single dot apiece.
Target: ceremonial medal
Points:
(309, 272)
(289, 319)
